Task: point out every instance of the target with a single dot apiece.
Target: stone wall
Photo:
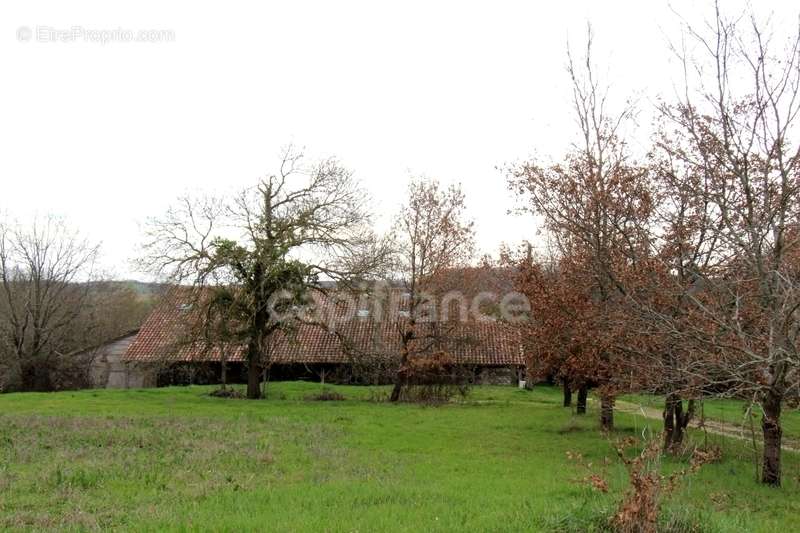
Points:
(497, 375)
(108, 370)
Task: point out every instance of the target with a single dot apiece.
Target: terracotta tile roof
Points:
(161, 339)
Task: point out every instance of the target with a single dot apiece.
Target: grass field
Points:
(181, 460)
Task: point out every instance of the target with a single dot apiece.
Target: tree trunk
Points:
(567, 395)
(669, 421)
(255, 355)
(395, 396)
(35, 376)
(400, 379)
(583, 393)
(253, 380)
(606, 412)
(771, 426)
(224, 373)
(401, 376)
(675, 422)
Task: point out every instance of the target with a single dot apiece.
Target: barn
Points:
(161, 354)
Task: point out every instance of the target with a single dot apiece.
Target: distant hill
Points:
(142, 289)
(145, 289)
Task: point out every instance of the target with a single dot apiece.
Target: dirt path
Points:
(712, 426)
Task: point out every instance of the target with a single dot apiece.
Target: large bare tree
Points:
(260, 252)
(736, 129)
(46, 275)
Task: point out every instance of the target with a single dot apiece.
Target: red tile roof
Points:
(161, 339)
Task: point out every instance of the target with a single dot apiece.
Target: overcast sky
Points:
(107, 134)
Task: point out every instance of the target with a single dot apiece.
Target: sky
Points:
(110, 110)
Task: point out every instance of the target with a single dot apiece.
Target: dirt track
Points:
(712, 426)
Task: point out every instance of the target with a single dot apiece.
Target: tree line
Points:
(55, 306)
(677, 272)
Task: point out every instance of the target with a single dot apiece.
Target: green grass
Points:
(178, 459)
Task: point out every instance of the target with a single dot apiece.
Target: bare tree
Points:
(267, 247)
(683, 242)
(45, 289)
(736, 127)
(433, 236)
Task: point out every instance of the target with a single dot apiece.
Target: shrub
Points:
(640, 508)
(226, 393)
(434, 379)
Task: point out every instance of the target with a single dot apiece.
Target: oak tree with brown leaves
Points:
(433, 238)
(736, 131)
(595, 205)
